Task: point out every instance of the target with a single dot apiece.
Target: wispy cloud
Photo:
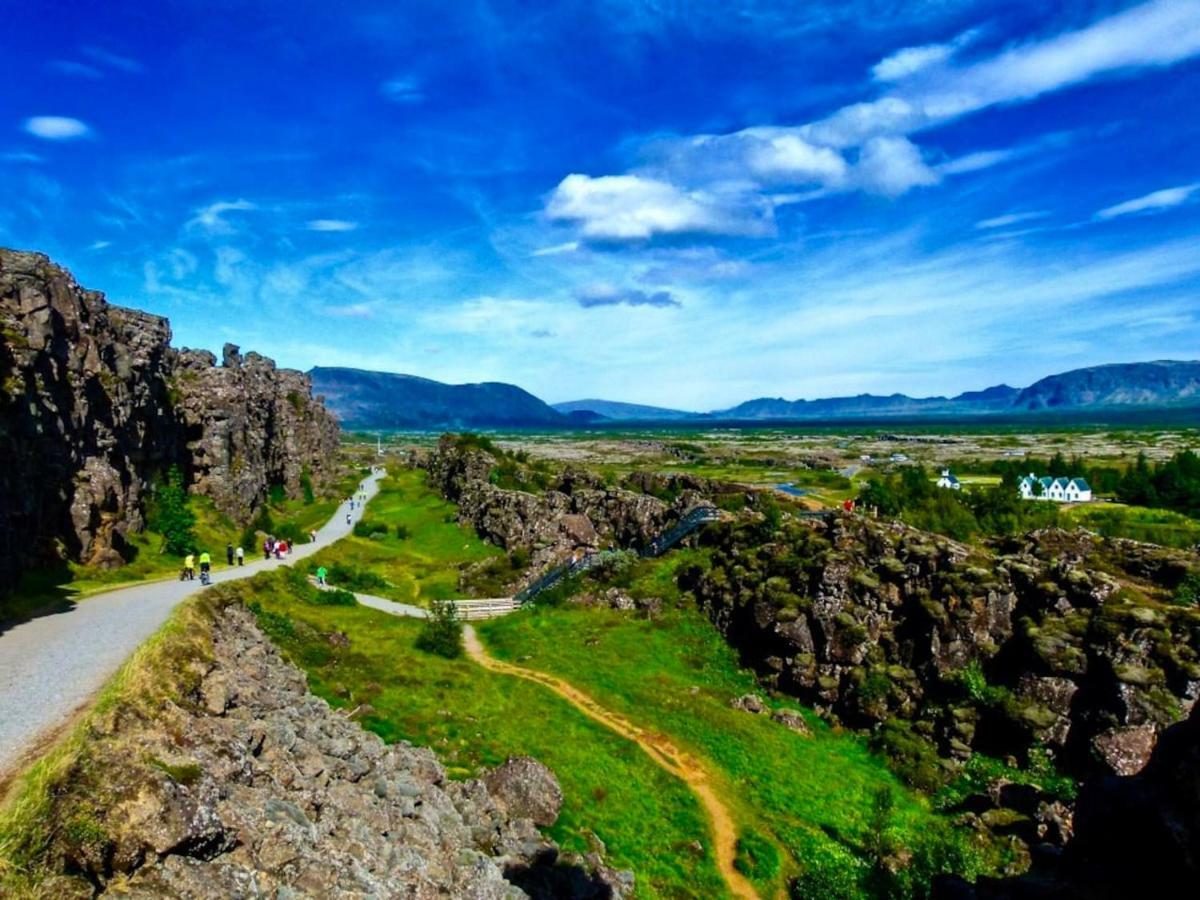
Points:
(211, 218)
(20, 156)
(330, 225)
(864, 146)
(1011, 219)
(99, 245)
(909, 61)
(352, 311)
(556, 249)
(405, 89)
(56, 128)
(113, 60)
(603, 294)
(73, 68)
(1154, 202)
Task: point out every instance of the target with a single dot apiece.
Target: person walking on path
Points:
(266, 548)
(205, 562)
(321, 573)
(241, 556)
(229, 554)
(347, 518)
(189, 567)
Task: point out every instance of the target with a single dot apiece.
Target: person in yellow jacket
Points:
(205, 562)
(189, 567)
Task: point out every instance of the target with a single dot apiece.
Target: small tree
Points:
(172, 516)
(442, 632)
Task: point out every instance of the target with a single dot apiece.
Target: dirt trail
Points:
(659, 748)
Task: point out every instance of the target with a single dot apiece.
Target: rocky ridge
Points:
(1061, 640)
(95, 406)
(241, 783)
(576, 510)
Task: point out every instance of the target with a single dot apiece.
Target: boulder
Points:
(526, 789)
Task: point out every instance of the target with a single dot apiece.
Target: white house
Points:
(948, 481)
(1055, 488)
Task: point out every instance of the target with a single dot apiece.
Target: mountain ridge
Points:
(363, 399)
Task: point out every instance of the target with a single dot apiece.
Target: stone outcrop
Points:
(1063, 640)
(1136, 835)
(576, 510)
(95, 406)
(245, 785)
(249, 425)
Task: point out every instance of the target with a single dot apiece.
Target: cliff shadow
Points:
(39, 592)
(549, 877)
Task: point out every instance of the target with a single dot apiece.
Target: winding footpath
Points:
(52, 665)
(657, 746)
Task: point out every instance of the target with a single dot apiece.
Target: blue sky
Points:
(687, 204)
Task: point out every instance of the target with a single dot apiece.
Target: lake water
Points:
(789, 488)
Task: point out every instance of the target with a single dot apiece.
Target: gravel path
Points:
(51, 666)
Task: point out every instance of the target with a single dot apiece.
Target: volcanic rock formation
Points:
(96, 406)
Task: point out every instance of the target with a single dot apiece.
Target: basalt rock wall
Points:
(576, 510)
(95, 406)
(1056, 639)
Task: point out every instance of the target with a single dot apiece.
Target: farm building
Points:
(948, 481)
(1055, 488)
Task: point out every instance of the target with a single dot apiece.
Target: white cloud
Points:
(1151, 203)
(20, 156)
(352, 311)
(330, 225)
(211, 218)
(56, 128)
(891, 166)
(406, 89)
(568, 247)
(926, 89)
(99, 245)
(632, 207)
(1011, 219)
(911, 60)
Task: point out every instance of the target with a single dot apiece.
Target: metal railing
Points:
(694, 519)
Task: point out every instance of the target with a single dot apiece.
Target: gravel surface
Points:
(51, 665)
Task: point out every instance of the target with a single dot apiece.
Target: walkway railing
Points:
(694, 519)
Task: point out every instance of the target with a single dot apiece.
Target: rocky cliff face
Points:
(95, 405)
(1063, 640)
(249, 425)
(242, 784)
(574, 510)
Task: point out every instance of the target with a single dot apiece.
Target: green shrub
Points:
(757, 857)
(366, 528)
(441, 633)
(276, 626)
(276, 494)
(361, 580)
(306, 486)
(403, 532)
(334, 597)
(1188, 592)
(171, 515)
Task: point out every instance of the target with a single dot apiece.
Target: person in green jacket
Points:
(321, 573)
(189, 567)
(205, 562)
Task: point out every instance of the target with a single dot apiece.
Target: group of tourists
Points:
(277, 548)
(189, 567)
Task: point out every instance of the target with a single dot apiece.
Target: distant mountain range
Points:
(364, 400)
(623, 412)
(379, 400)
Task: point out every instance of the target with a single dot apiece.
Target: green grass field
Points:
(646, 819)
(422, 566)
(1139, 523)
(811, 796)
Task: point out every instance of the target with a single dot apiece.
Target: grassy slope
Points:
(473, 718)
(34, 807)
(423, 566)
(812, 795)
(1157, 526)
